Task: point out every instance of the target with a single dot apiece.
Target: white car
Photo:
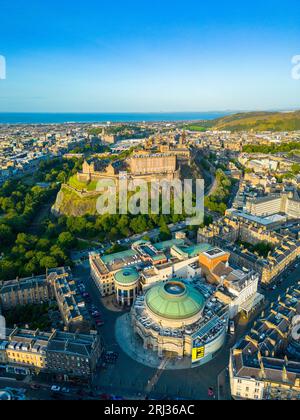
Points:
(232, 327)
(55, 388)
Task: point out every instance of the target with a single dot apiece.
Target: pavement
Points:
(224, 393)
(110, 304)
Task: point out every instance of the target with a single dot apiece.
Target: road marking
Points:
(157, 375)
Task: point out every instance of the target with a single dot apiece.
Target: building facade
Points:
(23, 292)
(265, 365)
(55, 353)
(175, 319)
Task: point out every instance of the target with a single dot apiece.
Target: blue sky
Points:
(140, 56)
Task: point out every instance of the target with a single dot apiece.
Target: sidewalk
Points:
(224, 393)
(111, 305)
(133, 347)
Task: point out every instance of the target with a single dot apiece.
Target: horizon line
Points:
(155, 112)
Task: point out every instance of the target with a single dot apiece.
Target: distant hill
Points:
(258, 121)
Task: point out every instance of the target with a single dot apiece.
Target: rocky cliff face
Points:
(70, 203)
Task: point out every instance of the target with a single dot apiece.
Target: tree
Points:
(8, 269)
(27, 241)
(48, 262)
(43, 244)
(5, 234)
(139, 224)
(66, 240)
(31, 268)
(165, 233)
(58, 254)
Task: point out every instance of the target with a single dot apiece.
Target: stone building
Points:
(70, 303)
(265, 364)
(286, 202)
(96, 170)
(173, 319)
(154, 164)
(34, 290)
(58, 284)
(56, 353)
(230, 231)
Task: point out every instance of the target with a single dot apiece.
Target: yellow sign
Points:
(198, 353)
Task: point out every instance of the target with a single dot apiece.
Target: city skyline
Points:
(129, 58)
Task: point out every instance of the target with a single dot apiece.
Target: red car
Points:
(211, 392)
(105, 397)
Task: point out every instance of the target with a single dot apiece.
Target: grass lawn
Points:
(89, 186)
(196, 128)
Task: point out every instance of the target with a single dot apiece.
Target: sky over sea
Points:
(159, 56)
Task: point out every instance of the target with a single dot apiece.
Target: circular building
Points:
(175, 304)
(126, 286)
(175, 319)
(5, 395)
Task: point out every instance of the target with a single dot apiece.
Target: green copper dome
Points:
(175, 300)
(127, 276)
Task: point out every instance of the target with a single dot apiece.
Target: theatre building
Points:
(176, 319)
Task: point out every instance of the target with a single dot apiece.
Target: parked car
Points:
(117, 398)
(232, 327)
(55, 388)
(105, 397)
(211, 392)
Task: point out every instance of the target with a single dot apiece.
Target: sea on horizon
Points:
(60, 118)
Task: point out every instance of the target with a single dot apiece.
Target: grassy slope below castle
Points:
(80, 185)
(69, 203)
